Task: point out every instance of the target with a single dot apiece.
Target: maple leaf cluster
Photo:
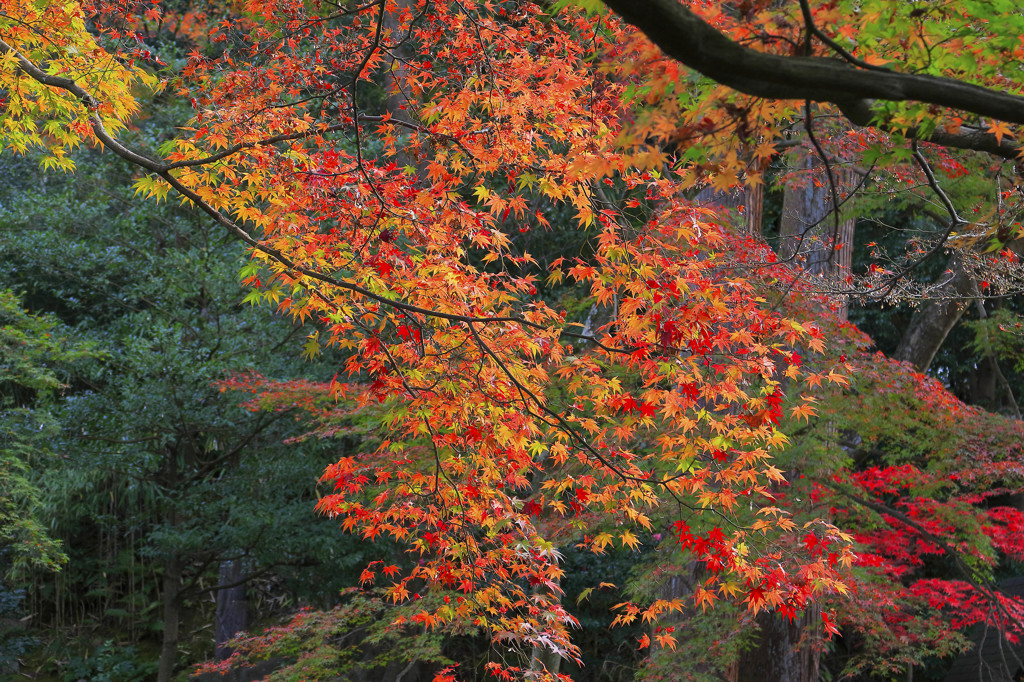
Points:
(506, 427)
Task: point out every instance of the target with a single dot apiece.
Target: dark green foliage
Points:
(608, 653)
(15, 639)
(35, 353)
(109, 663)
(155, 465)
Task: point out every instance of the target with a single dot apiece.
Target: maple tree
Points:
(929, 488)
(509, 427)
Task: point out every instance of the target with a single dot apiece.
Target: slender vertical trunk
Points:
(841, 265)
(171, 583)
(172, 618)
(790, 650)
(542, 659)
(1000, 391)
(663, 662)
(753, 208)
(398, 98)
(691, 660)
(546, 660)
(394, 79)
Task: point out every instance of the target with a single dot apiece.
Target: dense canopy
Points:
(536, 240)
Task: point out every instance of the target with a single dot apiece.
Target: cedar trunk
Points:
(232, 614)
(786, 651)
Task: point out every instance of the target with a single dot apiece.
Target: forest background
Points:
(616, 372)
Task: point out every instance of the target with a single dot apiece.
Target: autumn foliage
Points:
(383, 159)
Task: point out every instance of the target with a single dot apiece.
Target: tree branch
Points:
(689, 39)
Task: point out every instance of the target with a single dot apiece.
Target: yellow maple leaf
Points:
(628, 538)
(1000, 129)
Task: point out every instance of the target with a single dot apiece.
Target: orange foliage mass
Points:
(507, 428)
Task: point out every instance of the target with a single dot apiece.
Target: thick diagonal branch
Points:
(686, 37)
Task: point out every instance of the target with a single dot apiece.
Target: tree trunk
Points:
(786, 651)
(805, 208)
(932, 322)
(232, 613)
(398, 102)
(545, 660)
(542, 659)
(172, 618)
(171, 588)
(750, 200)
(753, 208)
(935, 319)
(809, 232)
(1000, 392)
(691, 658)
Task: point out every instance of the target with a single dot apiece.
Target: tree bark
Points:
(687, 38)
(232, 614)
(753, 208)
(750, 200)
(810, 233)
(998, 378)
(932, 322)
(668, 663)
(171, 587)
(544, 660)
(397, 103)
(172, 619)
(786, 651)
